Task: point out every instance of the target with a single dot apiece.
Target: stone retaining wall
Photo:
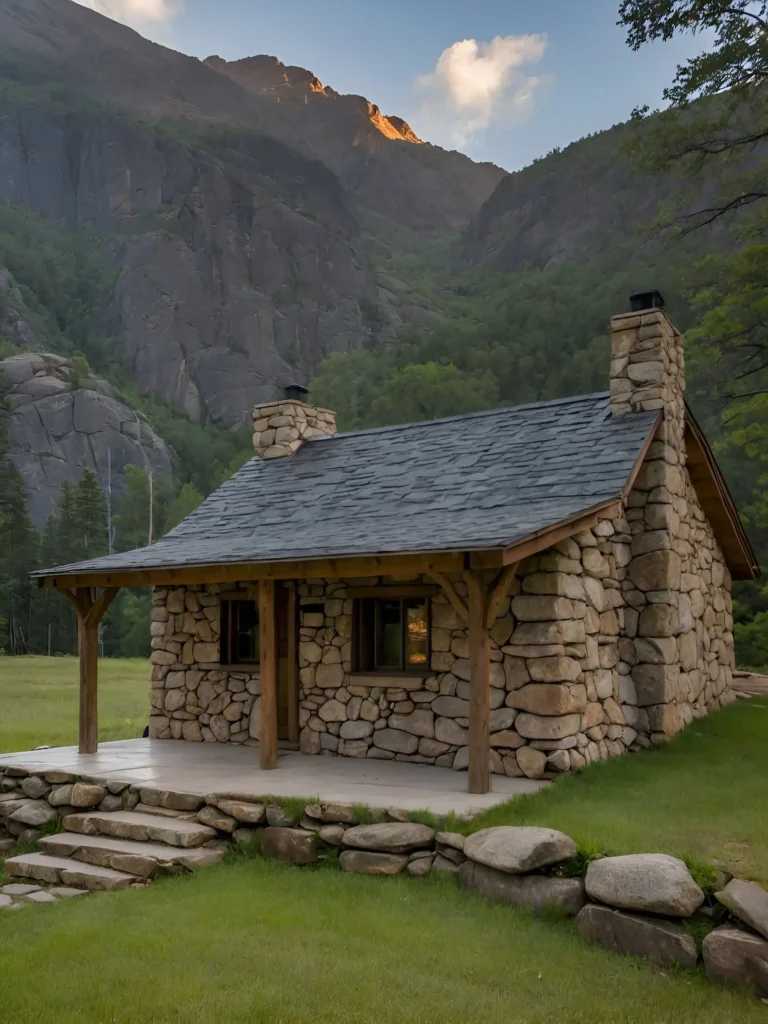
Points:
(637, 904)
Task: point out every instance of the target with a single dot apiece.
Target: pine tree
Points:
(18, 557)
(91, 509)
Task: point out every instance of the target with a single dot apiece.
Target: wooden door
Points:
(287, 663)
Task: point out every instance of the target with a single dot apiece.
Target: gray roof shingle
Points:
(477, 481)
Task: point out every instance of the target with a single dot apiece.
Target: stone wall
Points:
(558, 697)
(192, 696)
(678, 623)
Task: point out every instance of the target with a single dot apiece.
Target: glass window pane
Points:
(389, 635)
(246, 636)
(416, 635)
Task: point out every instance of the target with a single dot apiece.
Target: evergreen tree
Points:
(18, 557)
(91, 510)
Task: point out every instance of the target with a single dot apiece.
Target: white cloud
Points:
(137, 13)
(475, 83)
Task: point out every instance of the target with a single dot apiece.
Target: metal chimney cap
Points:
(646, 300)
(295, 392)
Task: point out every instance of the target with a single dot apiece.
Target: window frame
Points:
(228, 655)
(365, 612)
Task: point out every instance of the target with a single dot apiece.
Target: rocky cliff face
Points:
(59, 427)
(238, 239)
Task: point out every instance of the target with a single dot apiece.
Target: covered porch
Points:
(203, 769)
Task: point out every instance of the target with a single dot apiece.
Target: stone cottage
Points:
(522, 591)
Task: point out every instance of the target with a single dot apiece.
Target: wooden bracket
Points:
(498, 593)
(450, 592)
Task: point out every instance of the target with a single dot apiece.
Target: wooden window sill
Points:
(387, 681)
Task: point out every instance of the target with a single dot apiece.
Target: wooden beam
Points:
(566, 528)
(479, 686)
(393, 590)
(499, 592)
(90, 608)
(268, 672)
(293, 662)
(407, 566)
(451, 593)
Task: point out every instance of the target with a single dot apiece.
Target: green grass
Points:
(257, 942)
(702, 796)
(39, 700)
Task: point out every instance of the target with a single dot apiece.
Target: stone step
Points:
(61, 871)
(141, 827)
(138, 858)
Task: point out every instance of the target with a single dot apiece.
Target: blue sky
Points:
(558, 69)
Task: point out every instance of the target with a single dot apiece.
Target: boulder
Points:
(532, 892)
(389, 836)
(650, 882)
(662, 942)
(243, 811)
(278, 816)
(362, 862)
(331, 834)
(34, 813)
(419, 868)
(34, 787)
(396, 741)
(85, 794)
(217, 819)
(518, 850)
(732, 956)
(290, 845)
(748, 902)
(539, 727)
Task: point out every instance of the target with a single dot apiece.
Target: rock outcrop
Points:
(58, 427)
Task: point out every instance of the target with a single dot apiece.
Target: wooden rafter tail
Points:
(450, 592)
(500, 591)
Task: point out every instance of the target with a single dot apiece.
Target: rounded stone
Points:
(389, 836)
(652, 882)
(518, 850)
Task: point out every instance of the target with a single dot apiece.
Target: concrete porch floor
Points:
(215, 768)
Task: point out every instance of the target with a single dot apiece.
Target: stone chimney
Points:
(281, 428)
(647, 362)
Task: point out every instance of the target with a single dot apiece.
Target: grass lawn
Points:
(703, 795)
(39, 700)
(253, 941)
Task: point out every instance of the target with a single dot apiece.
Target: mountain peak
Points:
(267, 75)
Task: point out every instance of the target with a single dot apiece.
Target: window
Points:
(239, 632)
(392, 634)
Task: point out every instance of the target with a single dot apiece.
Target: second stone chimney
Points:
(281, 428)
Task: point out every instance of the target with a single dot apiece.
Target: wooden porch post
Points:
(268, 671)
(90, 608)
(479, 686)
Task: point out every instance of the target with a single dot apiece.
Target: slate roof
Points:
(482, 480)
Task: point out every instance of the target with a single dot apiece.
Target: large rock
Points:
(732, 956)
(534, 892)
(362, 862)
(290, 845)
(651, 882)
(518, 850)
(389, 836)
(748, 902)
(60, 427)
(86, 794)
(34, 813)
(661, 942)
(244, 811)
(395, 740)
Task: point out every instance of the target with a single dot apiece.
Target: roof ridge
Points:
(461, 416)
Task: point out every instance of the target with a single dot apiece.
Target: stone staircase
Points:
(107, 850)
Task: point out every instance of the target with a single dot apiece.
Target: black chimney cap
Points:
(646, 300)
(295, 392)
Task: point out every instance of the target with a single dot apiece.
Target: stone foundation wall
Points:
(192, 696)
